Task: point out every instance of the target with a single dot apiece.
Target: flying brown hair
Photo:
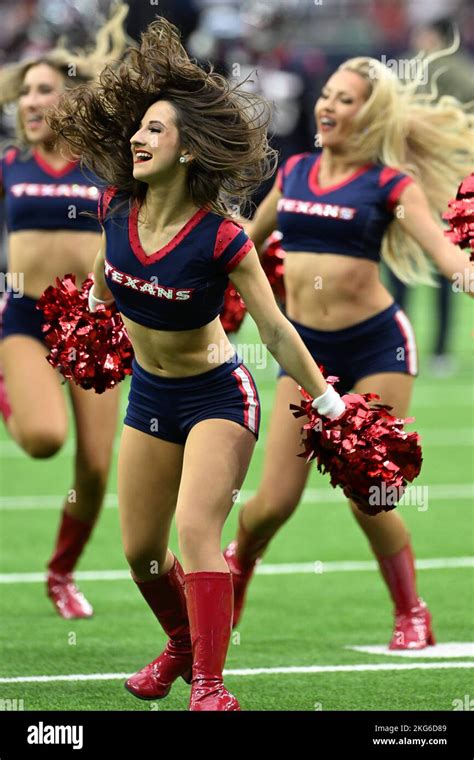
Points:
(223, 127)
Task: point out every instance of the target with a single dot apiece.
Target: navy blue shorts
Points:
(19, 316)
(382, 343)
(169, 407)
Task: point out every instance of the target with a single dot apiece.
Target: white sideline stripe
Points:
(348, 668)
(295, 568)
(451, 649)
(318, 568)
(429, 437)
(455, 492)
(256, 671)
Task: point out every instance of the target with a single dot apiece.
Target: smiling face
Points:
(341, 98)
(156, 145)
(42, 87)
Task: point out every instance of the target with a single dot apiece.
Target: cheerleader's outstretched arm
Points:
(418, 221)
(280, 337)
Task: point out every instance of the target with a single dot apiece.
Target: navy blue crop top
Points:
(349, 218)
(38, 197)
(182, 285)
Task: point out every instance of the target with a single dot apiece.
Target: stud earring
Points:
(183, 160)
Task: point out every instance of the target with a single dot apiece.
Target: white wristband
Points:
(94, 302)
(330, 404)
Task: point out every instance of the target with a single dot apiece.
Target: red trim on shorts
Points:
(4, 301)
(252, 426)
(408, 334)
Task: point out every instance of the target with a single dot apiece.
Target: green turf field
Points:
(302, 618)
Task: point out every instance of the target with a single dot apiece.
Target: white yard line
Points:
(440, 492)
(456, 650)
(295, 670)
(296, 568)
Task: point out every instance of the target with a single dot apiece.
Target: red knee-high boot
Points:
(166, 598)
(412, 617)
(72, 536)
(210, 601)
(242, 556)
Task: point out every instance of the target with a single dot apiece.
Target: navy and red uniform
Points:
(38, 197)
(349, 219)
(179, 287)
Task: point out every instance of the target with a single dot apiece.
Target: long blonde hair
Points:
(430, 141)
(76, 67)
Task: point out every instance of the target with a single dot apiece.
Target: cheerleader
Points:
(46, 195)
(337, 209)
(176, 143)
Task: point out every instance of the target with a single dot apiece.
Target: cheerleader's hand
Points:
(95, 302)
(329, 404)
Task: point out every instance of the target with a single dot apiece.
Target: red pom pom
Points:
(273, 263)
(233, 311)
(461, 216)
(365, 450)
(92, 349)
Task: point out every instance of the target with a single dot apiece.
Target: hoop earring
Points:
(182, 160)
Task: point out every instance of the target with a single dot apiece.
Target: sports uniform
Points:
(38, 197)
(349, 219)
(179, 287)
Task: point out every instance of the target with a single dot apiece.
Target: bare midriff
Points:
(179, 353)
(327, 291)
(39, 256)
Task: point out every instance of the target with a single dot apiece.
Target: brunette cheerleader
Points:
(176, 143)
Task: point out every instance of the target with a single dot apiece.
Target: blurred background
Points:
(292, 44)
(288, 48)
